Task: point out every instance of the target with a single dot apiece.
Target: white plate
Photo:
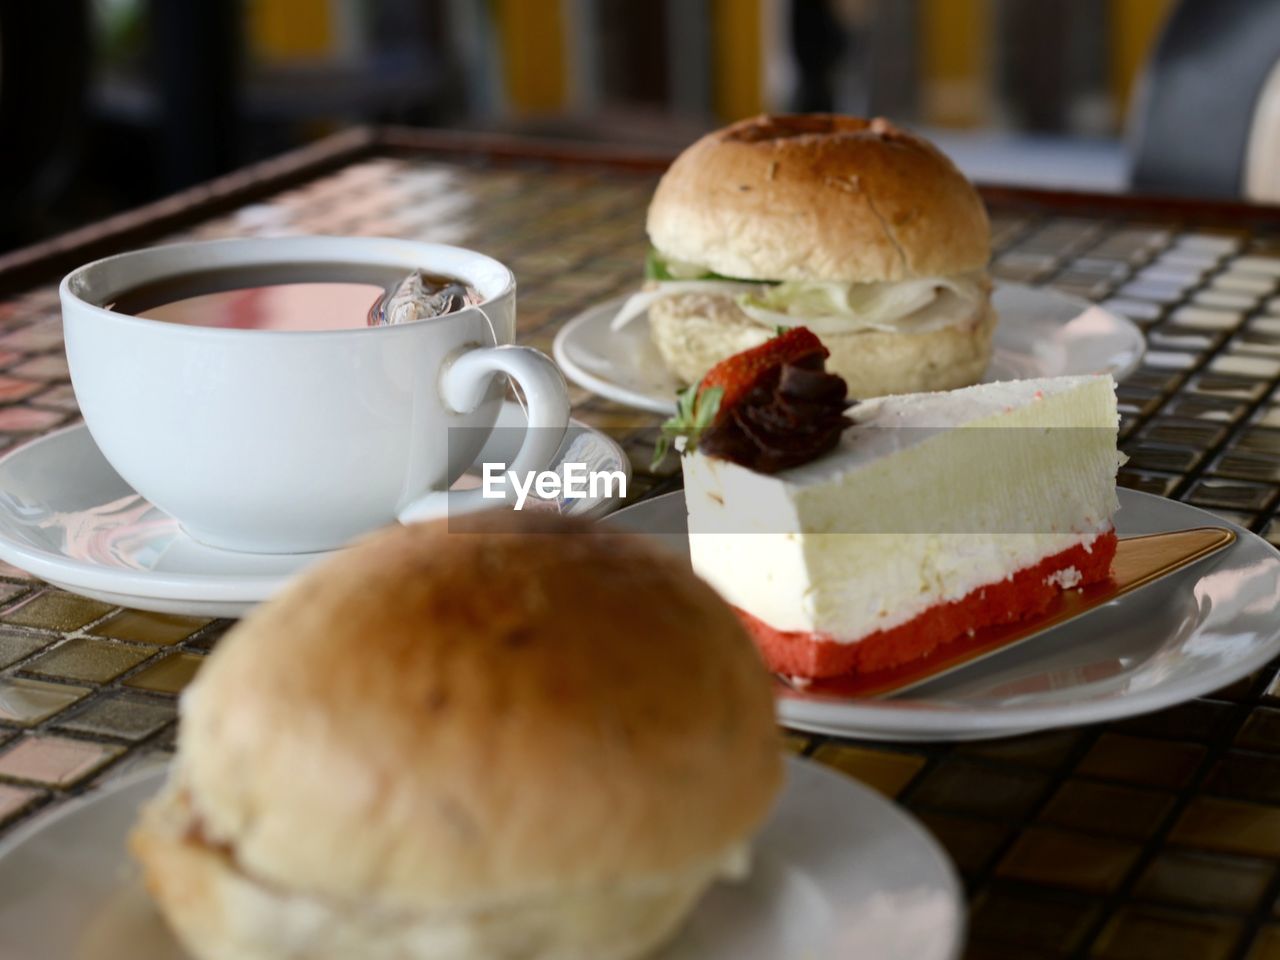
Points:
(1041, 333)
(67, 517)
(838, 871)
(1183, 636)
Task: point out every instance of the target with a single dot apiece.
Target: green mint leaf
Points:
(695, 412)
(707, 408)
(660, 451)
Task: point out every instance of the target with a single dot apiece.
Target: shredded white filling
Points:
(829, 307)
(657, 290)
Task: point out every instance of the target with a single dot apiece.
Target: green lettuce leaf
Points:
(659, 267)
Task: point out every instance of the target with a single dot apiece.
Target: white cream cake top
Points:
(897, 422)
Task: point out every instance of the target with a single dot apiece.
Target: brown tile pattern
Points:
(1261, 731)
(16, 800)
(961, 786)
(83, 659)
(1143, 933)
(11, 591)
(55, 761)
(167, 675)
(1022, 922)
(121, 717)
(16, 646)
(1061, 859)
(157, 629)
(1267, 945)
(1223, 883)
(888, 772)
(1140, 760)
(1104, 808)
(26, 703)
(1229, 826)
(1155, 837)
(55, 610)
(972, 843)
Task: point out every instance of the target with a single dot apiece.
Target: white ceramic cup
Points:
(292, 442)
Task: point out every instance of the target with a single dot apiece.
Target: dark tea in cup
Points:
(297, 297)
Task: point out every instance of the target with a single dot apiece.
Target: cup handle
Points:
(463, 385)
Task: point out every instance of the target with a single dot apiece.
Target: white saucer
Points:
(1041, 333)
(838, 871)
(1184, 636)
(67, 517)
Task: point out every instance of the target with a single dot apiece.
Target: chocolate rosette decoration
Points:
(791, 421)
(767, 409)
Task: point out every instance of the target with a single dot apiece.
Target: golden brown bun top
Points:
(526, 706)
(819, 197)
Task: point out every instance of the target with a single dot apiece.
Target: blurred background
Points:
(105, 104)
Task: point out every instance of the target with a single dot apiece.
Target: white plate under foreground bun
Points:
(1041, 333)
(1183, 636)
(838, 871)
(67, 517)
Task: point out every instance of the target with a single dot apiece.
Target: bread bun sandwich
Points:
(510, 736)
(864, 233)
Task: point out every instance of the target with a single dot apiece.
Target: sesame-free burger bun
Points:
(510, 736)
(818, 197)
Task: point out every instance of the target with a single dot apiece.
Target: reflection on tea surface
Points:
(297, 297)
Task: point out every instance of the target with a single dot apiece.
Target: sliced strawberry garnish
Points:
(738, 375)
(740, 410)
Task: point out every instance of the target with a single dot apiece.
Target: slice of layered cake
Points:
(857, 538)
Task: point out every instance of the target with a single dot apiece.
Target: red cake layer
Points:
(1025, 594)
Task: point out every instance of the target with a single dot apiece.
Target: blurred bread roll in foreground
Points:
(530, 739)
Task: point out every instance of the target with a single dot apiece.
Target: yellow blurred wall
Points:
(955, 58)
(1133, 26)
(955, 47)
(291, 29)
(531, 36)
(737, 51)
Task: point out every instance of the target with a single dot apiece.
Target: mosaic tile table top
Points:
(1158, 837)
